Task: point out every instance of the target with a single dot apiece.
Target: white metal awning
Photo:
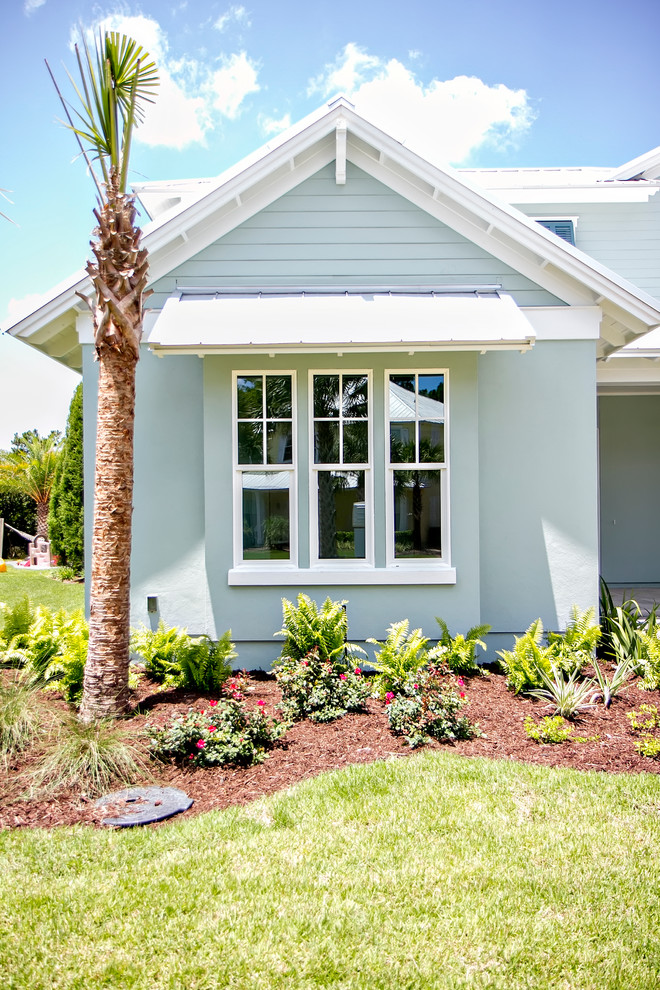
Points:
(234, 322)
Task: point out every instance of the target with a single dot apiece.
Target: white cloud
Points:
(237, 14)
(444, 121)
(192, 94)
(269, 125)
(232, 83)
(30, 6)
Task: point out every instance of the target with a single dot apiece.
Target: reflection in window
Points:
(341, 514)
(341, 425)
(417, 419)
(265, 424)
(266, 515)
(417, 514)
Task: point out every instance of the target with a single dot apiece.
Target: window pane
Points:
(355, 397)
(341, 514)
(402, 443)
(250, 443)
(402, 396)
(278, 396)
(417, 514)
(432, 442)
(356, 443)
(326, 443)
(250, 396)
(432, 386)
(266, 515)
(279, 443)
(326, 395)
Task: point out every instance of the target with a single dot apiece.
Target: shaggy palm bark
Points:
(119, 275)
(42, 519)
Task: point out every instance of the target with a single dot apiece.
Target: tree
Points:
(117, 77)
(66, 518)
(31, 467)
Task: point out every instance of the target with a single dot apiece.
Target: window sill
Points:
(358, 575)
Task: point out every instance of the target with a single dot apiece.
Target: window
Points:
(417, 479)
(264, 444)
(340, 468)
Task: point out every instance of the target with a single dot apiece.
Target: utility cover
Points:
(143, 805)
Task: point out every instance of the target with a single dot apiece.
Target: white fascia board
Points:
(646, 166)
(628, 374)
(564, 322)
(55, 304)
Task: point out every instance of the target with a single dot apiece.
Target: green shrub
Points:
(175, 659)
(572, 650)
(16, 621)
(308, 627)
(426, 707)
(645, 718)
(460, 652)
(226, 733)
(319, 690)
(648, 662)
(66, 513)
(524, 663)
(402, 653)
(551, 729)
(648, 746)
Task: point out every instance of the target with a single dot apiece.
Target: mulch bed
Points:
(309, 749)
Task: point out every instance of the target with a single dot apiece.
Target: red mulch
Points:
(309, 749)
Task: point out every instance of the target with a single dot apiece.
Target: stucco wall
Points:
(538, 484)
(629, 488)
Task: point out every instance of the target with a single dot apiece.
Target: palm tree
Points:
(31, 467)
(116, 78)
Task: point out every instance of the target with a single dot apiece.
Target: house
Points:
(369, 377)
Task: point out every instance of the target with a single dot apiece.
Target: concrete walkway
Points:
(645, 597)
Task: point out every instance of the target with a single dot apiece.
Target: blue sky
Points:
(482, 83)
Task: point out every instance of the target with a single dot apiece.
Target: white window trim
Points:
(419, 564)
(238, 470)
(347, 566)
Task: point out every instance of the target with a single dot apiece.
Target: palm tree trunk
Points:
(106, 673)
(42, 519)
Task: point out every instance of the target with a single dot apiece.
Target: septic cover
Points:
(143, 805)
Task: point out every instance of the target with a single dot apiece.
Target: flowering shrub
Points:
(321, 690)
(426, 706)
(225, 733)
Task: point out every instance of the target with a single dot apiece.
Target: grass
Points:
(19, 720)
(40, 589)
(429, 872)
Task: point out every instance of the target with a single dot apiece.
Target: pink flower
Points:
(261, 703)
(342, 677)
(200, 744)
(213, 703)
(305, 663)
(212, 728)
(460, 682)
(357, 671)
(190, 757)
(415, 686)
(389, 697)
(462, 694)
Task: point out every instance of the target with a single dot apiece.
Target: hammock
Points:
(26, 536)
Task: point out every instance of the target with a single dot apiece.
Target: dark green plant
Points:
(66, 515)
(175, 659)
(428, 708)
(226, 733)
(621, 626)
(551, 729)
(319, 689)
(460, 652)
(402, 653)
(20, 511)
(324, 628)
(618, 682)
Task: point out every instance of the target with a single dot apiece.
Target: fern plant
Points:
(206, 665)
(573, 650)
(401, 654)
(460, 652)
(649, 661)
(308, 627)
(160, 649)
(527, 661)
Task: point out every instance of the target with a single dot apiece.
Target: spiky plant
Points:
(566, 693)
(117, 78)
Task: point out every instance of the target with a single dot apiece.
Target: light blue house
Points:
(368, 377)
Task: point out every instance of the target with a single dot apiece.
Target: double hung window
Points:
(340, 467)
(417, 467)
(264, 442)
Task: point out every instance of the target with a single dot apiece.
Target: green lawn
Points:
(430, 872)
(40, 589)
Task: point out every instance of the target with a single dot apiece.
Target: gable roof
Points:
(191, 215)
